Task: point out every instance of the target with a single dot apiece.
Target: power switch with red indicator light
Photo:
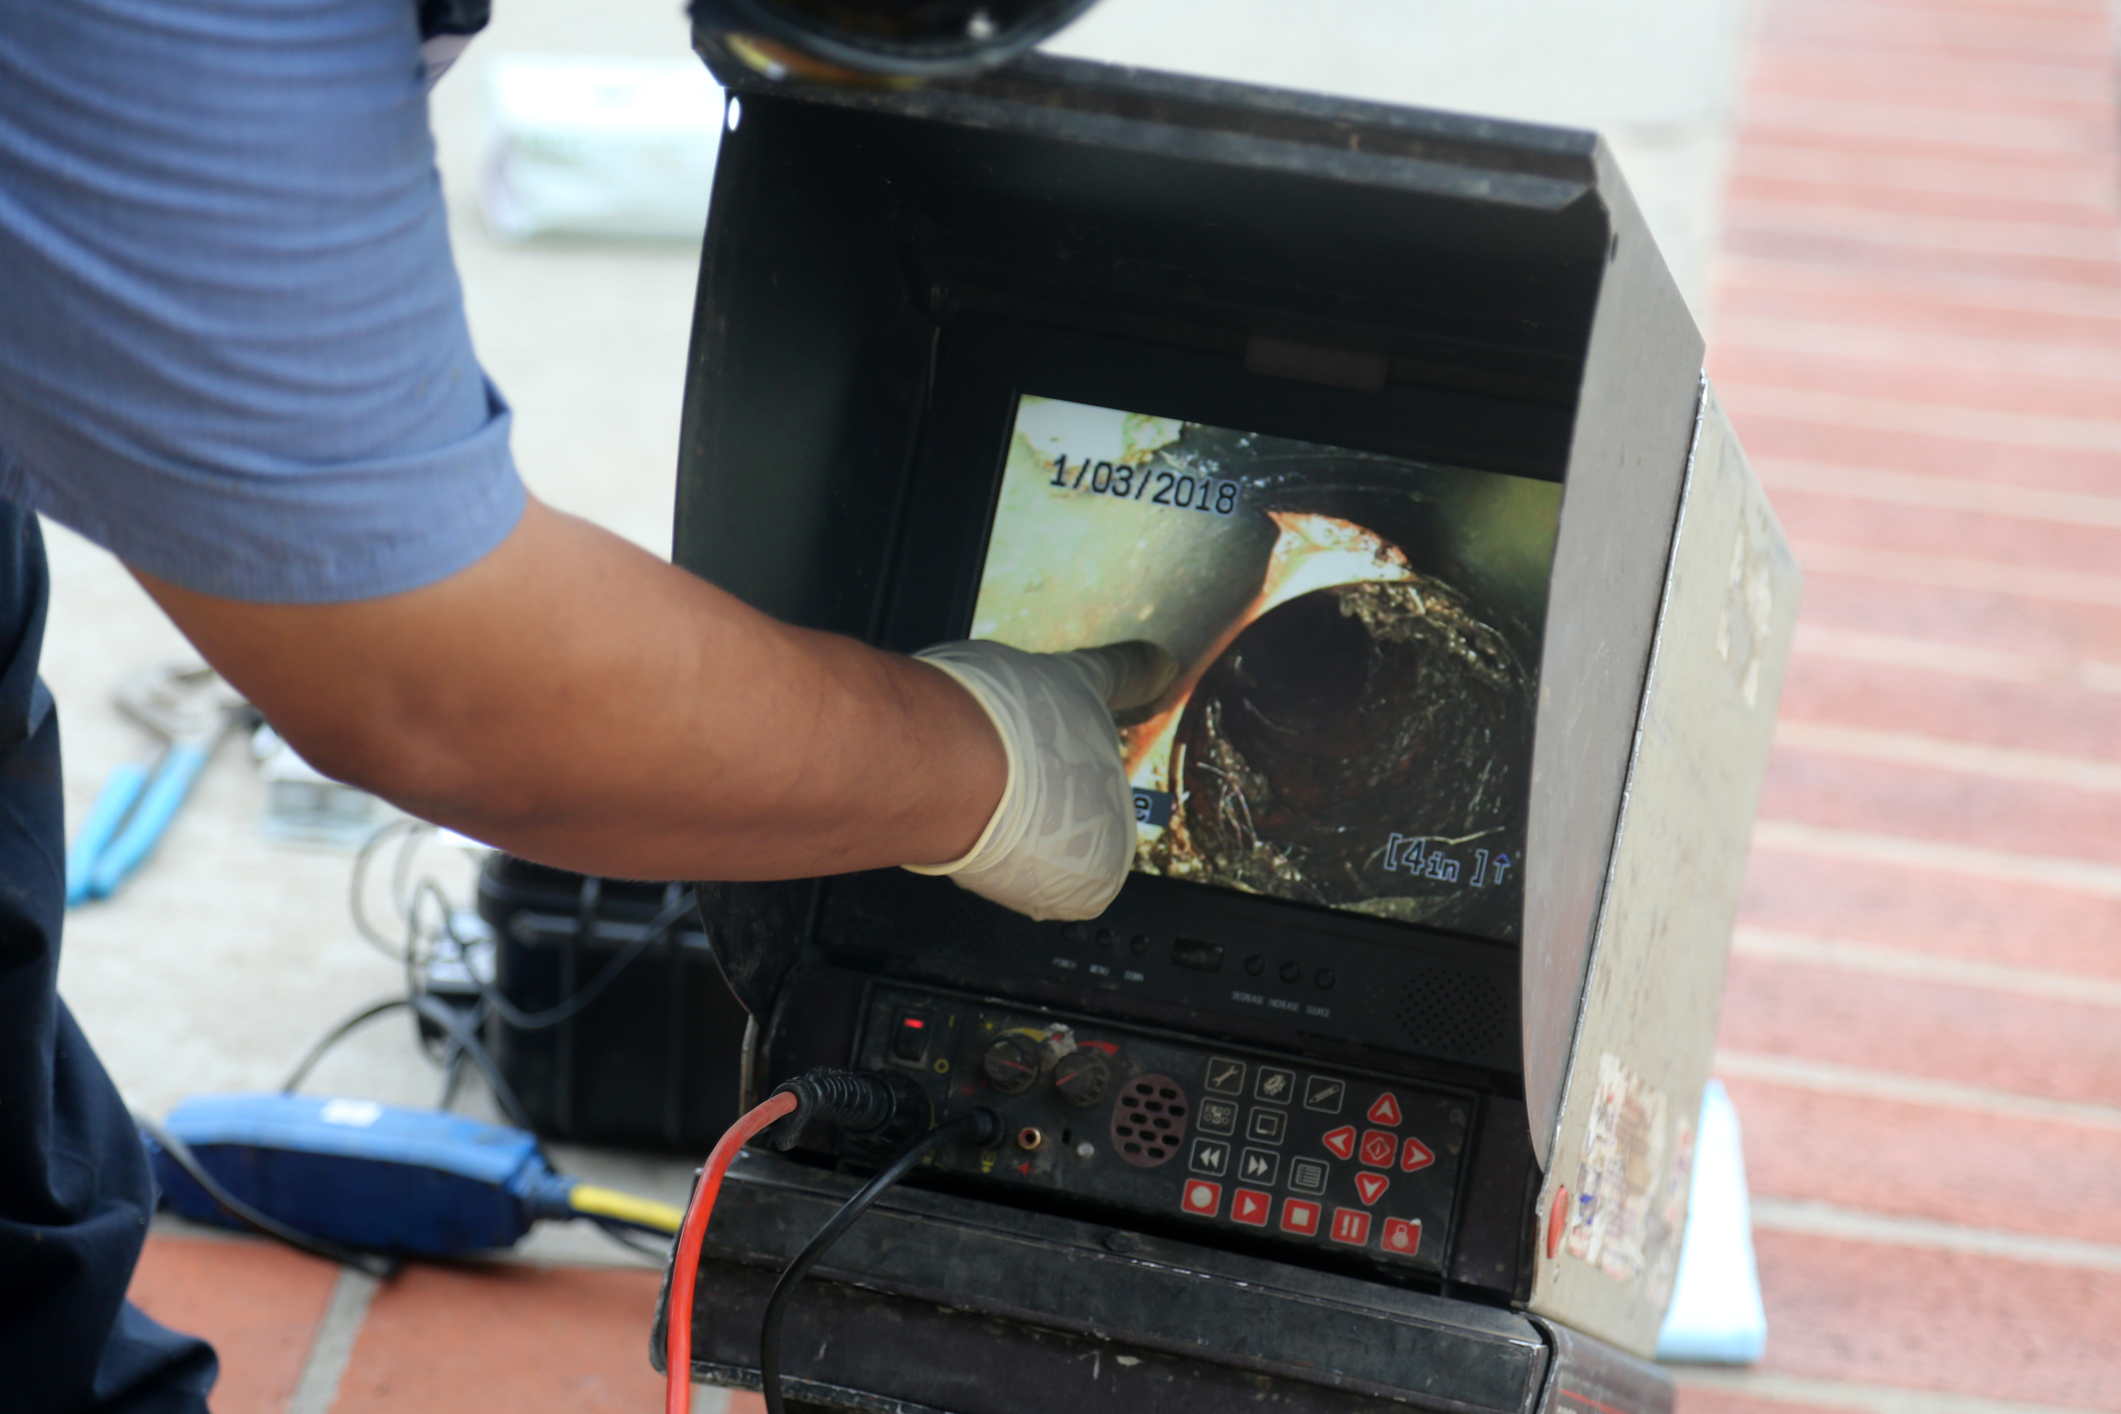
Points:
(909, 1038)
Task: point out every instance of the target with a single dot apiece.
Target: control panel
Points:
(1250, 1142)
(1267, 965)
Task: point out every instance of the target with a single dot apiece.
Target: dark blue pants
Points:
(75, 1191)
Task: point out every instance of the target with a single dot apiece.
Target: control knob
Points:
(1012, 1064)
(1082, 1077)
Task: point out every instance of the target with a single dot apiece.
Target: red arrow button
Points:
(1386, 1110)
(1416, 1155)
(1250, 1207)
(1371, 1186)
(1341, 1141)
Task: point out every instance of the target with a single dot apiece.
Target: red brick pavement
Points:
(1919, 340)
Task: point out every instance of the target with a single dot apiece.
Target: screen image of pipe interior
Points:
(1358, 639)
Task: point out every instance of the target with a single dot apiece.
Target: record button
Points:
(1202, 1198)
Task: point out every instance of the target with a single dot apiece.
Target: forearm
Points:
(573, 699)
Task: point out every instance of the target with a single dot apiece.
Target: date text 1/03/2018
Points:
(1156, 486)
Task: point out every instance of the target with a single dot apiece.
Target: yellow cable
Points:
(598, 1202)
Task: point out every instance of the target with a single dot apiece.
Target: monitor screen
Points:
(1358, 643)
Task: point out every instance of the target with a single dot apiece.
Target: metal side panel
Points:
(1635, 422)
(1625, 1136)
(933, 1302)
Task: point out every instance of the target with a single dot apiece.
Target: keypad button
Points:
(1216, 1117)
(1351, 1225)
(1276, 1086)
(1267, 1126)
(1324, 1093)
(1210, 1156)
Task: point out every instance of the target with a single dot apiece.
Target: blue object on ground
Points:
(362, 1174)
(127, 821)
(1716, 1316)
(120, 789)
(157, 806)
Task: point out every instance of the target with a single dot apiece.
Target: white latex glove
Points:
(1062, 839)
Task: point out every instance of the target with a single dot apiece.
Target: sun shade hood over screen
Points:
(1461, 324)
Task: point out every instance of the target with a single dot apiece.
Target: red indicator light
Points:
(913, 1023)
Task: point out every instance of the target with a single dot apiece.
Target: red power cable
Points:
(685, 1261)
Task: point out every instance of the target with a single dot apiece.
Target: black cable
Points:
(452, 1021)
(337, 1034)
(975, 1122)
(381, 941)
(453, 1025)
(672, 914)
(623, 1234)
(181, 1155)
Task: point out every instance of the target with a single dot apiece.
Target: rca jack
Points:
(1029, 1138)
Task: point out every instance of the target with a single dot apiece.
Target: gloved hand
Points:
(1062, 839)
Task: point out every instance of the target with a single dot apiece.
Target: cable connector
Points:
(869, 1104)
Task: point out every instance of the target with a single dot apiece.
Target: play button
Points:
(1250, 1207)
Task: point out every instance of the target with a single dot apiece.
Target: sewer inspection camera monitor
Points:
(1375, 1087)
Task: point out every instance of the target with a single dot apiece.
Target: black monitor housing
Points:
(887, 274)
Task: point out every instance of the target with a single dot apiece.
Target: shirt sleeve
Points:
(232, 343)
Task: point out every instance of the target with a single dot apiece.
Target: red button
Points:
(1250, 1207)
(1202, 1197)
(1299, 1217)
(1416, 1155)
(1402, 1238)
(1351, 1225)
(1341, 1141)
(1378, 1148)
(1386, 1110)
(1371, 1187)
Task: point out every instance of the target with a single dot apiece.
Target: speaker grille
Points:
(1149, 1120)
(1470, 1015)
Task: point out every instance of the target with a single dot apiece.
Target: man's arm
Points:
(572, 698)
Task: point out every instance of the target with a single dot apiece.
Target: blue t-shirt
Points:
(232, 343)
